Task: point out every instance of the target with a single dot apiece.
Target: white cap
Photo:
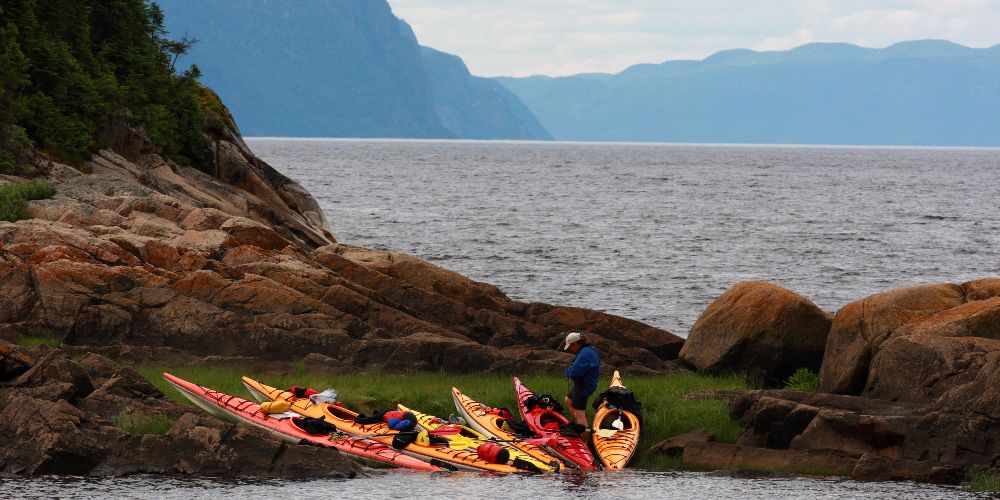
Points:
(571, 338)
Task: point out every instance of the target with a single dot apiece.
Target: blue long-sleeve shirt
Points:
(586, 369)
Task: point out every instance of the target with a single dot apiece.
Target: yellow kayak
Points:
(343, 419)
(484, 419)
(616, 448)
(473, 439)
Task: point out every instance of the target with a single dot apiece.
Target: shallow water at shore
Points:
(656, 232)
(404, 484)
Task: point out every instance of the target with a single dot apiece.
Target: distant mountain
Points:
(339, 68)
(476, 108)
(929, 92)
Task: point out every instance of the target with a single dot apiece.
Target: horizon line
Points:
(622, 143)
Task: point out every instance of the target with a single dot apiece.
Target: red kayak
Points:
(236, 409)
(546, 423)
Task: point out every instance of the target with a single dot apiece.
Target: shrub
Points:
(804, 380)
(14, 198)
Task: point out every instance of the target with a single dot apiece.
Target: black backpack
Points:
(315, 425)
(620, 397)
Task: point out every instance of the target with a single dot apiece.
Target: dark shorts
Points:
(578, 398)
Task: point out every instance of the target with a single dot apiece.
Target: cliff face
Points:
(333, 68)
(477, 108)
(339, 68)
(916, 93)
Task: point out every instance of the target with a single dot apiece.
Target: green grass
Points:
(803, 380)
(14, 198)
(48, 339)
(141, 423)
(665, 413)
(983, 482)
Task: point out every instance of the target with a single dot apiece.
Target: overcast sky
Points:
(561, 37)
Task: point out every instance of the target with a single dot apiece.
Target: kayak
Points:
(458, 435)
(572, 450)
(343, 419)
(484, 419)
(237, 409)
(616, 450)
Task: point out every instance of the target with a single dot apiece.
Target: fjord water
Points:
(656, 232)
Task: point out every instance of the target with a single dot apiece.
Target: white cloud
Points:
(559, 37)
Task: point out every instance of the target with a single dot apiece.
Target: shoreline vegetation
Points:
(665, 411)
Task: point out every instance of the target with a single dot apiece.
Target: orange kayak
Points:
(237, 409)
(343, 419)
(484, 419)
(616, 450)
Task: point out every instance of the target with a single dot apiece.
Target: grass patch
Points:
(665, 413)
(141, 423)
(47, 339)
(983, 482)
(14, 198)
(803, 380)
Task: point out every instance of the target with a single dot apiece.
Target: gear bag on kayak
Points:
(621, 398)
(315, 425)
(543, 401)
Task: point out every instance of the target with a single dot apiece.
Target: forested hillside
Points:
(73, 72)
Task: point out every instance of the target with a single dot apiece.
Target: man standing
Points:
(584, 372)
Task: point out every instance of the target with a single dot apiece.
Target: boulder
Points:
(674, 446)
(922, 367)
(760, 329)
(860, 327)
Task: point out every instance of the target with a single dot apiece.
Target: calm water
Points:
(389, 485)
(656, 232)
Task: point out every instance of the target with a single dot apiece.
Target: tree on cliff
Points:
(73, 69)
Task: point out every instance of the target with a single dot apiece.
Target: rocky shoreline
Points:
(907, 381)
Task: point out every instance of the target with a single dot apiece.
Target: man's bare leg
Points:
(579, 415)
